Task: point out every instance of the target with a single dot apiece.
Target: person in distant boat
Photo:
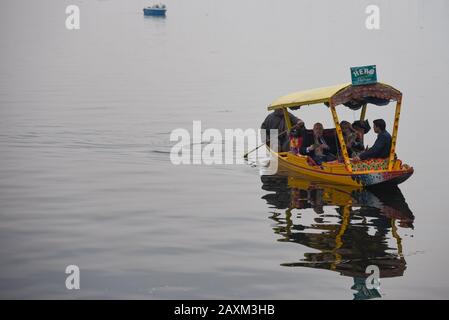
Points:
(317, 147)
(276, 120)
(382, 145)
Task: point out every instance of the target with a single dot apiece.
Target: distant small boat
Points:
(155, 10)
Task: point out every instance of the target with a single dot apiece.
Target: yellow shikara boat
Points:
(346, 172)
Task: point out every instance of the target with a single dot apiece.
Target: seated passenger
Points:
(381, 148)
(297, 135)
(353, 135)
(360, 128)
(317, 147)
(349, 135)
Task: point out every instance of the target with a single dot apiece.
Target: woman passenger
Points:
(360, 129)
(349, 136)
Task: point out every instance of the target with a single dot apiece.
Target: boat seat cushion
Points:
(370, 164)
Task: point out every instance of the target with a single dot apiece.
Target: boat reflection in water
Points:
(351, 228)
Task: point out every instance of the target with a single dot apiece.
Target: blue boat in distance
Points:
(155, 10)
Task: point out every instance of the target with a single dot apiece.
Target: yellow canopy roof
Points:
(312, 96)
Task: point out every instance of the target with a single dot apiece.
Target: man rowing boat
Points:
(276, 120)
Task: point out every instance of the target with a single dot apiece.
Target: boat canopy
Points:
(353, 97)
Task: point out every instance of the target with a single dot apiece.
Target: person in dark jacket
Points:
(317, 147)
(276, 120)
(381, 148)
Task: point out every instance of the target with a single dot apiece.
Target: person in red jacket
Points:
(296, 136)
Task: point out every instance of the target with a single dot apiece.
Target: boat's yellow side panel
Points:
(336, 173)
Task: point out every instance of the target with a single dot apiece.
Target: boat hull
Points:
(335, 172)
(154, 12)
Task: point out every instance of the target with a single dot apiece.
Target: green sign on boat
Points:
(363, 75)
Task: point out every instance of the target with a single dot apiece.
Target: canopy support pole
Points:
(287, 120)
(344, 151)
(363, 113)
(394, 136)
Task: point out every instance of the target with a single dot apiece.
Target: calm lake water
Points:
(86, 177)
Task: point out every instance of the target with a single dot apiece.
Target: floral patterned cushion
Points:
(370, 164)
